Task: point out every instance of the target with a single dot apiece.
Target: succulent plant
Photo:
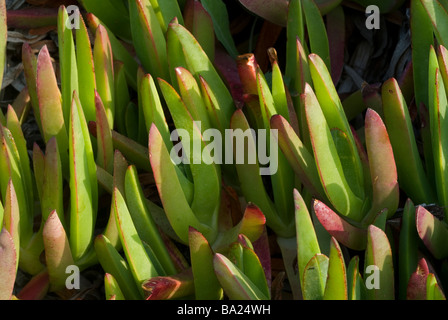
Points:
(145, 90)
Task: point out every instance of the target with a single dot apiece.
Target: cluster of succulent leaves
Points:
(332, 204)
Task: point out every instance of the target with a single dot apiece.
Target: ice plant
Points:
(142, 84)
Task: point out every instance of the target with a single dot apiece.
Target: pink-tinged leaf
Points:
(8, 262)
(206, 284)
(416, 287)
(247, 69)
(433, 232)
(50, 105)
(199, 23)
(58, 255)
(104, 72)
(11, 217)
(29, 61)
(383, 170)
(378, 259)
(251, 225)
(112, 288)
(253, 222)
(32, 18)
(105, 152)
(170, 287)
(36, 288)
(120, 52)
(399, 125)
(347, 234)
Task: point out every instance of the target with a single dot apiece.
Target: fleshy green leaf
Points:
(251, 181)
(141, 266)
(170, 189)
(143, 221)
(113, 263)
(407, 253)
(50, 105)
(111, 288)
(356, 287)
(235, 283)
(402, 138)
(105, 153)
(383, 170)
(83, 183)
(315, 277)
(199, 64)
(328, 163)
(52, 184)
(104, 72)
(68, 63)
(205, 281)
(58, 255)
(307, 244)
(378, 266)
(336, 285)
(86, 71)
(149, 40)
